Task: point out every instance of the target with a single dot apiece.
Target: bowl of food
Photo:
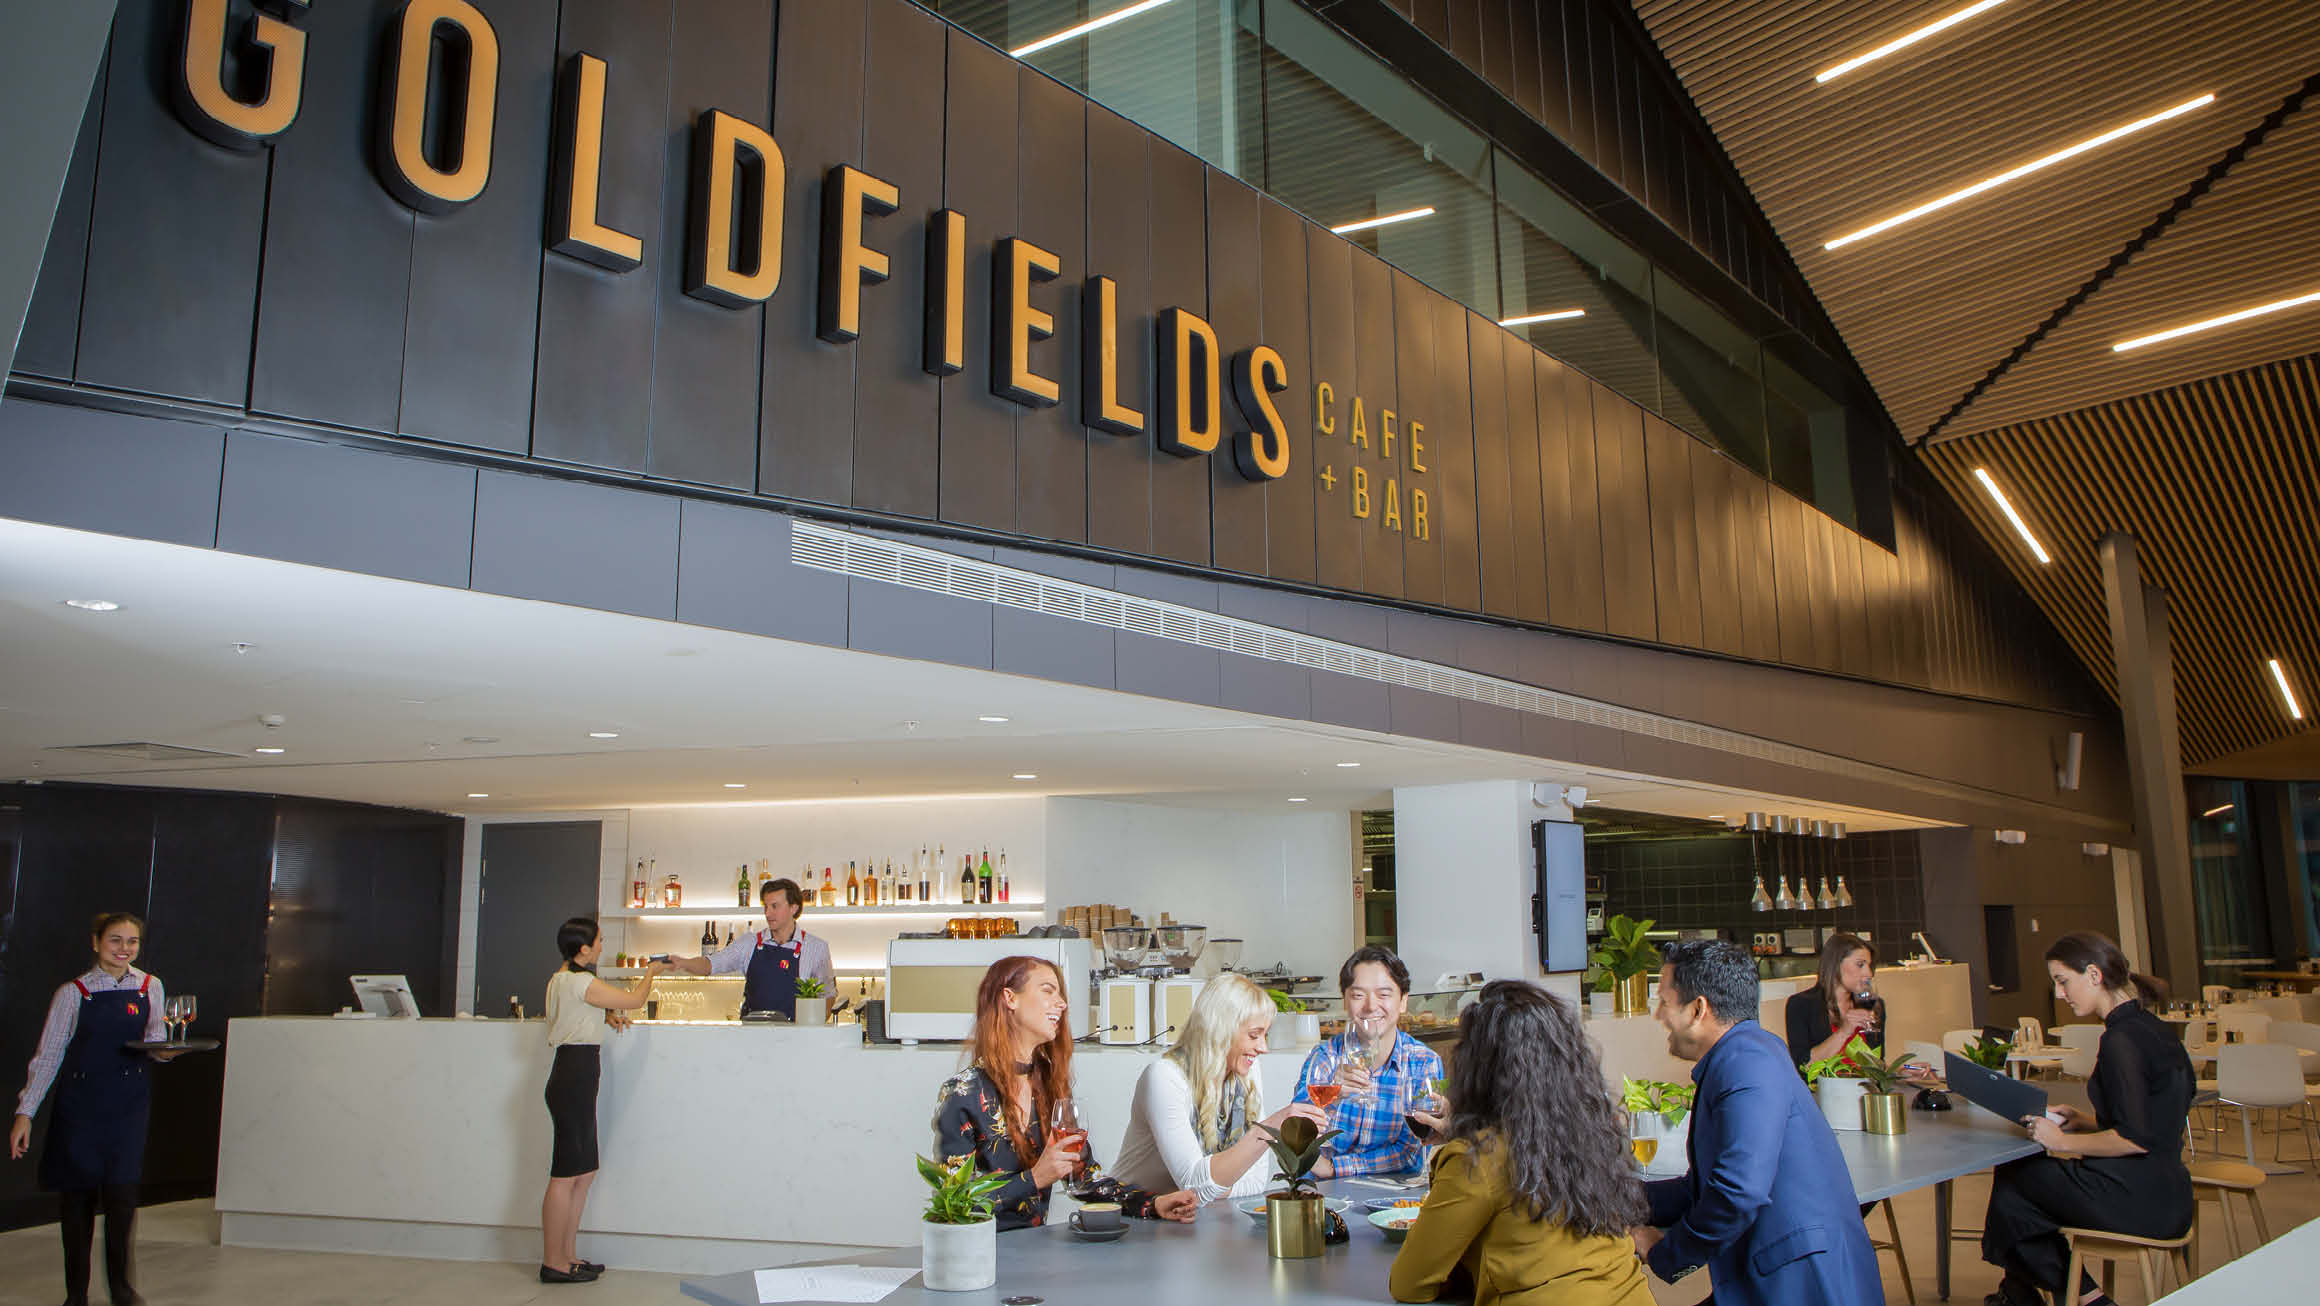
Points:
(1394, 1224)
(1393, 1203)
(1254, 1207)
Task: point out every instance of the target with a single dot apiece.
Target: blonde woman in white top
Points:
(1190, 1126)
(580, 1007)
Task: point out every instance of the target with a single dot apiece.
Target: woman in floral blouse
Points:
(997, 1108)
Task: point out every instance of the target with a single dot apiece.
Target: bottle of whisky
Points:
(708, 938)
(984, 878)
(923, 886)
(741, 887)
(942, 865)
(967, 878)
(853, 887)
(829, 890)
(1002, 875)
(729, 936)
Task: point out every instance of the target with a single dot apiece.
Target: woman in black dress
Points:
(995, 1111)
(580, 1008)
(2120, 1169)
(1827, 1016)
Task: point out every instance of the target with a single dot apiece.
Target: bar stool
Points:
(2151, 1255)
(2216, 1181)
(1900, 1258)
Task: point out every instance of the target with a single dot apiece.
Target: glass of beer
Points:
(1643, 1134)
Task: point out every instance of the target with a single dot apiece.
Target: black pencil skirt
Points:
(572, 1109)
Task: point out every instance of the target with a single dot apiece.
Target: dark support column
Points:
(2142, 653)
(2272, 820)
(47, 66)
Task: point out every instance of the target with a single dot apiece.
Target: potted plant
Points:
(1301, 1029)
(1990, 1053)
(813, 1001)
(1838, 1087)
(958, 1236)
(1296, 1218)
(1625, 963)
(1882, 1105)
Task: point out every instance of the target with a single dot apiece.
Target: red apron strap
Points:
(148, 983)
(83, 988)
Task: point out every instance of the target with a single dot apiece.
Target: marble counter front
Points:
(724, 1147)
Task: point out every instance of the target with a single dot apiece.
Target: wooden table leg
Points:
(1941, 1199)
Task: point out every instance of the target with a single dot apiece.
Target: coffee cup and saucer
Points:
(1098, 1222)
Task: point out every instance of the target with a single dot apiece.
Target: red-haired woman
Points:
(996, 1110)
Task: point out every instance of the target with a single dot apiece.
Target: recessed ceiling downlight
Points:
(604, 734)
(992, 720)
(479, 795)
(1349, 765)
(1025, 775)
(93, 605)
(270, 751)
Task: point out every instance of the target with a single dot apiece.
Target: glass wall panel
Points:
(2234, 914)
(1711, 374)
(2304, 859)
(1349, 142)
(1554, 259)
(1808, 429)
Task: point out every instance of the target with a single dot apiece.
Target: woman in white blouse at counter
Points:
(1190, 1126)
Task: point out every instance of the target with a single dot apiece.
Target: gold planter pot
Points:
(1294, 1226)
(1884, 1113)
(1631, 996)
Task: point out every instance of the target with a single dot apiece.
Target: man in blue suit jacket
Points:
(1768, 1206)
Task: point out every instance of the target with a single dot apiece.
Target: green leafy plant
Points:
(811, 986)
(1856, 1061)
(1283, 1002)
(1989, 1053)
(1669, 1101)
(1624, 953)
(962, 1195)
(1296, 1148)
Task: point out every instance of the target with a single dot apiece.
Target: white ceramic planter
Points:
(1308, 1028)
(813, 1011)
(959, 1257)
(1599, 1003)
(1840, 1101)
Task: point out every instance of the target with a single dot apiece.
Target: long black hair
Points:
(1527, 1082)
(572, 936)
(2080, 949)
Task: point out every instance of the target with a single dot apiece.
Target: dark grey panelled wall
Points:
(297, 294)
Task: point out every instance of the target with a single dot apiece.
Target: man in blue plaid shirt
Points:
(1377, 1138)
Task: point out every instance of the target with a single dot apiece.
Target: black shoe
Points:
(594, 1270)
(573, 1275)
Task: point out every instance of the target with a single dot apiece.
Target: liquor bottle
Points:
(640, 890)
(764, 875)
(923, 886)
(652, 875)
(984, 878)
(886, 889)
(829, 890)
(901, 883)
(708, 937)
(967, 877)
(741, 888)
(728, 936)
(853, 887)
(673, 893)
(1002, 875)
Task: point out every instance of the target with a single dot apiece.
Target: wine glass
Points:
(1643, 1134)
(172, 1015)
(185, 1014)
(1065, 1130)
(1364, 1051)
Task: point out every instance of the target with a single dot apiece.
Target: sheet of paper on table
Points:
(832, 1282)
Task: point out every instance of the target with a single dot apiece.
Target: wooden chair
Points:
(1901, 1258)
(2216, 1181)
(2151, 1256)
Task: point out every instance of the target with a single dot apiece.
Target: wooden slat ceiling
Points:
(2203, 448)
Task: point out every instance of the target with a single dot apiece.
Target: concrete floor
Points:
(180, 1263)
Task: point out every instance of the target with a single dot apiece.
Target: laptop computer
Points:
(2000, 1095)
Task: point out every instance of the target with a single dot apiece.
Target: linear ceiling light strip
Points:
(1095, 24)
(2018, 172)
(1907, 39)
(2210, 324)
(868, 557)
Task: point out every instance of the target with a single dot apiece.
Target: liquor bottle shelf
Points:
(922, 909)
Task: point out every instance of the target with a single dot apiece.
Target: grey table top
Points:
(1221, 1258)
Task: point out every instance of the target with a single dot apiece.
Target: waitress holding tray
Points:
(96, 1133)
(773, 959)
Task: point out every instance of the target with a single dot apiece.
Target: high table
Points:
(1221, 1257)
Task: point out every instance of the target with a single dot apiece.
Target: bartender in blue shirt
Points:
(772, 959)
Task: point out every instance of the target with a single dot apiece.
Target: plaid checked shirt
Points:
(1377, 1140)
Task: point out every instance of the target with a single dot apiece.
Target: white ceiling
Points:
(418, 696)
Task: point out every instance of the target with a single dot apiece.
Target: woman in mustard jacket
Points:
(1533, 1192)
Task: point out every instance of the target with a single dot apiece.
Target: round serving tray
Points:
(175, 1045)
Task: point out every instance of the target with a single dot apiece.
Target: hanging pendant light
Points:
(1844, 895)
(1828, 900)
(1837, 839)
(1760, 900)
(1785, 902)
(1755, 824)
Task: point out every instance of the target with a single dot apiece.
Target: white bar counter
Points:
(723, 1147)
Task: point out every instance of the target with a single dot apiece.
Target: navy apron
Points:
(771, 984)
(96, 1133)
